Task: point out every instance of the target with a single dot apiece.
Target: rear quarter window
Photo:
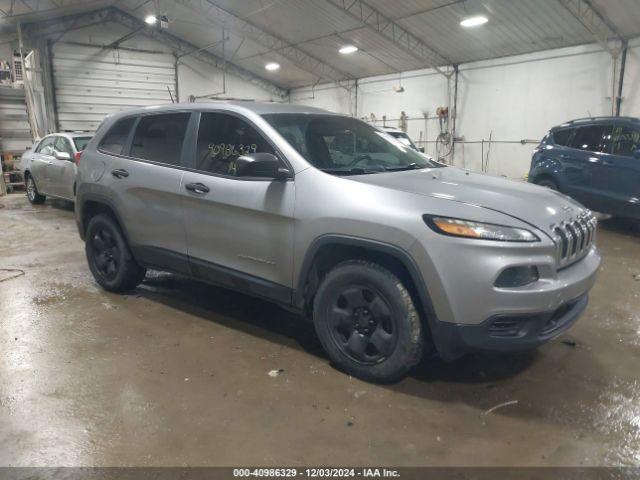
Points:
(561, 137)
(81, 143)
(159, 138)
(116, 138)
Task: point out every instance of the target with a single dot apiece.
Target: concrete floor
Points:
(177, 374)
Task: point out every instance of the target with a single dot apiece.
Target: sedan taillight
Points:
(77, 157)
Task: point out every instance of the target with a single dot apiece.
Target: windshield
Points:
(403, 138)
(81, 142)
(346, 146)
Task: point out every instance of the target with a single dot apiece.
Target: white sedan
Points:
(50, 166)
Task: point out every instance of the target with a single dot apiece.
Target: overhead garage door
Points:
(15, 133)
(92, 82)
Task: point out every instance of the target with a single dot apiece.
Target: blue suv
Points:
(596, 161)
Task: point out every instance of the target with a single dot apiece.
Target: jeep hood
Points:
(529, 203)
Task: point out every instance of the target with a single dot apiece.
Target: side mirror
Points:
(265, 165)
(62, 156)
(421, 149)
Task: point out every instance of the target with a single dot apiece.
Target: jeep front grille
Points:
(573, 238)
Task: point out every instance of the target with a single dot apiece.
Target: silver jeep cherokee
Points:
(386, 250)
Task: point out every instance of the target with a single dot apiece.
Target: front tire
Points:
(109, 257)
(33, 195)
(367, 322)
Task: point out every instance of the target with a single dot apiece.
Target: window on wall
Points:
(625, 141)
(116, 138)
(222, 138)
(160, 137)
(593, 138)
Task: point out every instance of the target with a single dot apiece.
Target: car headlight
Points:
(478, 230)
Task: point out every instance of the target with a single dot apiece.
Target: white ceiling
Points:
(317, 28)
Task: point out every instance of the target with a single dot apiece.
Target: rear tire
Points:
(109, 257)
(548, 183)
(367, 322)
(32, 192)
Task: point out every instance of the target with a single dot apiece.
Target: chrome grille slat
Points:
(587, 230)
(573, 238)
(580, 232)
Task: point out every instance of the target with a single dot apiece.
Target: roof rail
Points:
(605, 117)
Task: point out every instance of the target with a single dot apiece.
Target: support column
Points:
(623, 65)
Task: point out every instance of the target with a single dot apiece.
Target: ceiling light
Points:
(474, 21)
(272, 66)
(347, 49)
(150, 19)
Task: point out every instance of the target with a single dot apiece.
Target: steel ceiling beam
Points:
(597, 24)
(273, 43)
(124, 38)
(26, 9)
(179, 46)
(47, 28)
(399, 36)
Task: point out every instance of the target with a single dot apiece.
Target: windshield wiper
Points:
(411, 166)
(350, 171)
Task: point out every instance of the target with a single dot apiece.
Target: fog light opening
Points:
(513, 277)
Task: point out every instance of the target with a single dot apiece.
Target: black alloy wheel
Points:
(362, 325)
(110, 259)
(106, 253)
(367, 321)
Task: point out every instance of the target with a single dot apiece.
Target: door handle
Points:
(198, 188)
(120, 173)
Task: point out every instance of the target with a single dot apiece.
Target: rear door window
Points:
(159, 138)
(116, 138)
(625, 141)
(592, 138)
(561, 137)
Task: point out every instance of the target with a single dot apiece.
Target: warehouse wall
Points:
(329, 97)
(92, 82)
(6, 51)
(520, 98)
(197, 78)
(14, 126)
(511, 99)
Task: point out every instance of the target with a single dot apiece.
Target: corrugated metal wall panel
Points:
(15, 133)
(92, 82)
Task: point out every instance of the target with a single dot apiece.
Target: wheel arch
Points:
(545, 176)
(90, 206)
(547, 168)
(328, 250)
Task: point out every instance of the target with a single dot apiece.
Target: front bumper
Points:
(459, 276)
(507, 333)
